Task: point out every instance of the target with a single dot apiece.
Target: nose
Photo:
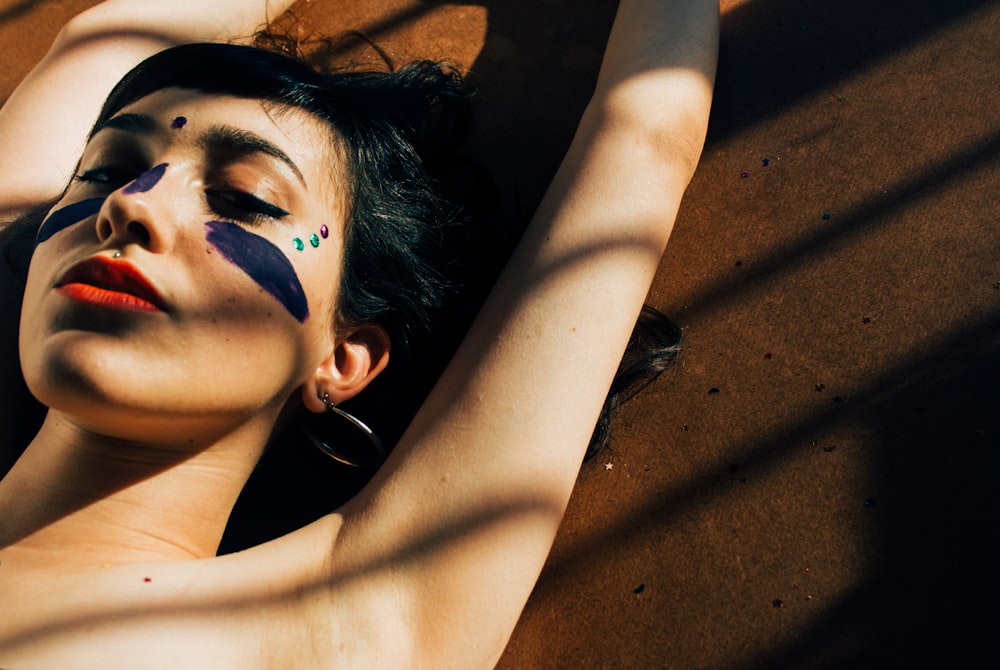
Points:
(140, 212)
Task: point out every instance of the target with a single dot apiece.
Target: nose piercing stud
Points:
(117, 254)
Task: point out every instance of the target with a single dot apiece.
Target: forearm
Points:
(167, 23)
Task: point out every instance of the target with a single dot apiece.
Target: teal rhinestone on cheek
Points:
(314, 240)
(298, 244)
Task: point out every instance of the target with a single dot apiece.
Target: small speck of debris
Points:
(809, 598)
(768, 356)
(778, 602)
(713, 390)
(827, 216)
(684, 427)
(608, 466)
(865, 320)
(744, 174)
(639, 589)
(820, 387)
(766, 162)
(869, 502)
(996, 284)
(841, 98)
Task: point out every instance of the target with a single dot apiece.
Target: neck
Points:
(117, 502)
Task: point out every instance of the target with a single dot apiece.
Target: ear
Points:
(358, 357)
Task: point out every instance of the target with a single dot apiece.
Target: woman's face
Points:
(189, 272)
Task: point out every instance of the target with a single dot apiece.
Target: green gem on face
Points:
(299, 245)
(314, 240)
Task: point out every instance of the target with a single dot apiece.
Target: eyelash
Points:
(248, 208)
(106, 176)
(237, 206)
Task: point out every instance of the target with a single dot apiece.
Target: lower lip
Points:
(106, 298)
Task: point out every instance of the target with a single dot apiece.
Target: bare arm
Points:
(44, 123)
(456, 526)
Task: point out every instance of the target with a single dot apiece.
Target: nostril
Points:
(103, 229)
(139, 232)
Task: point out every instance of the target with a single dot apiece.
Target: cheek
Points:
(66, 217)
(262, 262)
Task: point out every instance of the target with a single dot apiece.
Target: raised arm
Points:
(456, 526)
(44, 123)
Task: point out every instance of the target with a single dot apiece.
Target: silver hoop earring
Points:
(340, 455)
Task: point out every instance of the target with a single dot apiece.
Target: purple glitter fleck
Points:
(324, 232)
(178, 123)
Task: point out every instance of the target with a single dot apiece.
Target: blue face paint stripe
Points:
(146, 180)
(262, 261)
(66, 217)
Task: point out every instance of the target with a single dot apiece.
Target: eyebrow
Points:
(237, 140)
(136, 124)
(218, 138)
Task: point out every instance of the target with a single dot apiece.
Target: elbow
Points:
(667, 113)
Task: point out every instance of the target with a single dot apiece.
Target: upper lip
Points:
(113, 275)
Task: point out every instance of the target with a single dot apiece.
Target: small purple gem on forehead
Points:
(178, 123)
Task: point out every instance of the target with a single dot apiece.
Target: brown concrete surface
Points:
(815, 485)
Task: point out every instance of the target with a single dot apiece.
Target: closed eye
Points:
(107, 177)
(242, 207)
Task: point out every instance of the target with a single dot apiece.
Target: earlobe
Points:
(358, 357)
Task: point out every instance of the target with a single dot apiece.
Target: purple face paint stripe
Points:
(146, 180)
(66, 217)
(263, 262)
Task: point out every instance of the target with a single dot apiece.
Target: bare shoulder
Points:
(266, 607)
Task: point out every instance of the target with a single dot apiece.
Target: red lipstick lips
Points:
(110, 283)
